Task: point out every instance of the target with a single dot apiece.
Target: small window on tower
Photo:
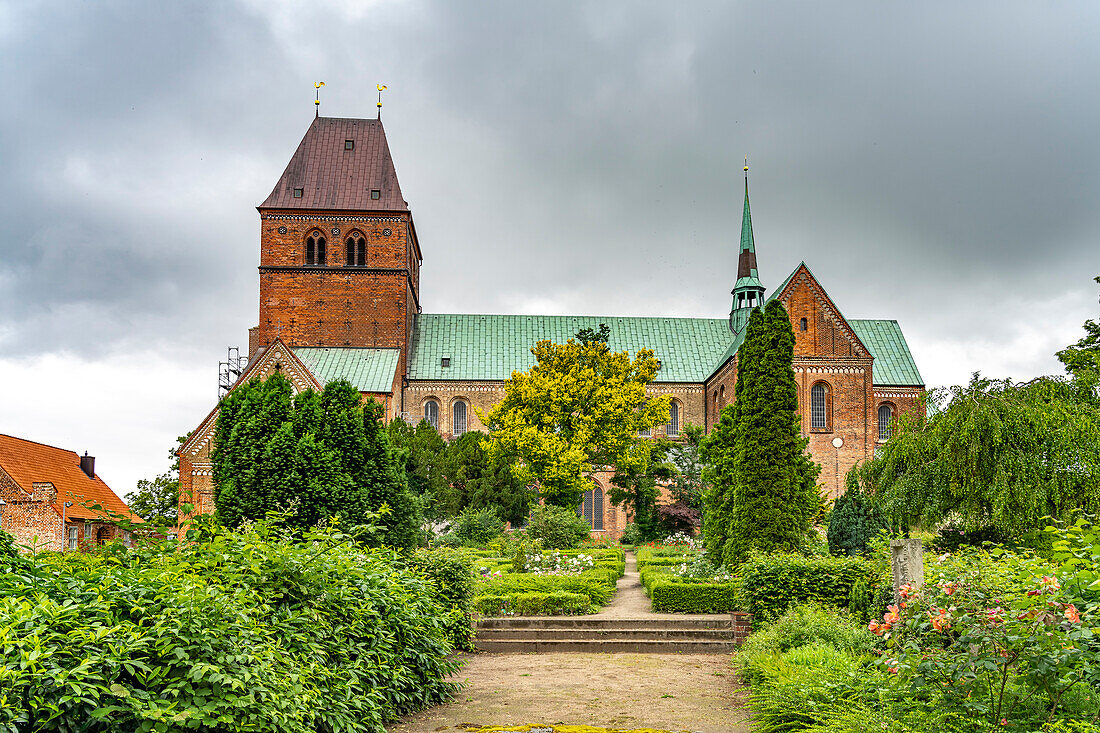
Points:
(445, 361)
(297, 193)
(349, 145)
(802, 324)
(375, 193)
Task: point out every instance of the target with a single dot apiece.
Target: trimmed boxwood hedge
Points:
(671, 595)
(591, 583)
(772, 583)
(559, 603)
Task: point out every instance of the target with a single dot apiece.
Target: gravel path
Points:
(678, 692)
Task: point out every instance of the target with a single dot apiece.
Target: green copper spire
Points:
(748, 291)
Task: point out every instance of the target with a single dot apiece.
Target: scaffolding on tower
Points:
(230, 370)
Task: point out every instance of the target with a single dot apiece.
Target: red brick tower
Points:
(339, 258)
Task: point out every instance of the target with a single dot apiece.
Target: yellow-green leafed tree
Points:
(578, 409)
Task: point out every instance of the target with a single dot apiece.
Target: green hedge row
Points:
(598, 584)
(559, 603)
(772, 583)
(671, 595)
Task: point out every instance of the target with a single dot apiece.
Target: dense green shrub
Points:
(772, 583)
(477, 527)
(803, 625)
(632, 535)
(451, 574)
(854, 521)
(671, 595)
(556, 527)
(558, 603)
(242, 631)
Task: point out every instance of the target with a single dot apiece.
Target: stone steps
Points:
(594, 634)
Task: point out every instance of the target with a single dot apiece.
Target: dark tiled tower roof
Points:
(333, 177)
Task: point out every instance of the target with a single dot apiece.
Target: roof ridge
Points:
(565, 315)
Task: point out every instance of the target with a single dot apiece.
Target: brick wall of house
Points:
(29, 516)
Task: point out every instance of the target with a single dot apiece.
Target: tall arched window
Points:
(315, 248)
(458, 418)
(885, 418)
(802, 324)
(819, 406)
(431, 413)
(356, 250)
(672, 430)
(591, 507)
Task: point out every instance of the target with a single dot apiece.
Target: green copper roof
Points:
(491, 347)
(894, 365)
(368, 370)
(747, 244)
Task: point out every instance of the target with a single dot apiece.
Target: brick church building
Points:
(340, 298)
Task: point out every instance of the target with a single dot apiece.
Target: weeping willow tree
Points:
(995, 455)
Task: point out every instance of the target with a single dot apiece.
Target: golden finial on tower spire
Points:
(317, 98)
(381, 88)
(746, 164)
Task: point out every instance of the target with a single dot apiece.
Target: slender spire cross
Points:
(317, 98)
(381, 88)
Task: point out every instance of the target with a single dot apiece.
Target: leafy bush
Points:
(854, 521)
(241, 631)
(451, 574)
(671, 595)
(772, 583)
(558, 603)
(556, 527)
(803, 625)
(477, 527)
(632, 535)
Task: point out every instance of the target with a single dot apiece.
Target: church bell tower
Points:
(748, 292)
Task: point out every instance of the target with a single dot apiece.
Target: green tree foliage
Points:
(763, 495)
(580, 407)
(313, 457)
(1083, 358)
(635, 487)
(854, 521)
(997, 456)
(157, 500)
(473, 481)
(421, 450)
(687, 486)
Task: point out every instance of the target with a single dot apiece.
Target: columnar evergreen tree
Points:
(763, 494)
(314, 456)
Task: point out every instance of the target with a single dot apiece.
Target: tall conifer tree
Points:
(763, 496)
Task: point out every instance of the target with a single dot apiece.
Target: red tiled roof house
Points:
(36, 483)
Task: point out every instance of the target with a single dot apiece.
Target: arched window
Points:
(645, 433)
(885, 418)
(672, 430)
(591, 507)
(315, 248)
(458, 418)
(431, 413)
(802, 324)
(819, 406)
(356, 250)
(722, 396)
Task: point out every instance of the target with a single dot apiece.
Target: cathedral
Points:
(340, 299)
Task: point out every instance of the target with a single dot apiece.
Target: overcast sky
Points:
(931, 163)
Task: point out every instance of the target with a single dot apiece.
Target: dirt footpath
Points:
(678, 692)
